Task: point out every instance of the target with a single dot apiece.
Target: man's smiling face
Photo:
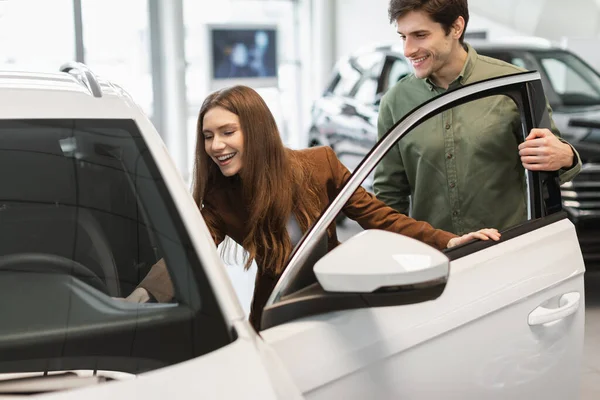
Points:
(426, 44)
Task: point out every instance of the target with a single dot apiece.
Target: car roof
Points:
(33, 95)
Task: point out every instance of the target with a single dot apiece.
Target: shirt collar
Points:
(465, 73)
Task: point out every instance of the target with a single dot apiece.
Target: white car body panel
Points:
(233, 372)
(473, 342)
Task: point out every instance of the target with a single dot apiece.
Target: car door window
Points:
(486, 129)
(84, 214)
(540, 193)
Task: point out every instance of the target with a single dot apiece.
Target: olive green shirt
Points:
(460, 170)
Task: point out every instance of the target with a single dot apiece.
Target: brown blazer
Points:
(327, 178)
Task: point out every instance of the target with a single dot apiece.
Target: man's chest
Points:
(485, 129)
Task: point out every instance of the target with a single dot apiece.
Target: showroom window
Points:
(120, 53)
(49, 47)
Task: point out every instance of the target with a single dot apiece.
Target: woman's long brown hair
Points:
(273, 179)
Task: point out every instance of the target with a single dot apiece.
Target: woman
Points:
(251, 188)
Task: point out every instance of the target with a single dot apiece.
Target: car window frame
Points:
(524, 88)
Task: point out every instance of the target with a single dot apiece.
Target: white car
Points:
(90, 199)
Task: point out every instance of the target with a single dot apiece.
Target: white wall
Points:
(361, 23)
(364, 22)
(586, 48)
(495, 31)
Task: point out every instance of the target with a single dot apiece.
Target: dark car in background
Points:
(345, 116)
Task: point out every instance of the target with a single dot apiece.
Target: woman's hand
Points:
(139, 295)
(482, 234)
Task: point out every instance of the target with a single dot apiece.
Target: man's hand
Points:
(482, 234)
(543, 151)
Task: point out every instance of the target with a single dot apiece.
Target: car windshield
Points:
(576, 83)
(84, 214)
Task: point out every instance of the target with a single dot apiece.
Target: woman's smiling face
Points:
(223, 140)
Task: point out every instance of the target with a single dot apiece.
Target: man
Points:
(462, 169)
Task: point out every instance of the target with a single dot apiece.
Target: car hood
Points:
(247, 368)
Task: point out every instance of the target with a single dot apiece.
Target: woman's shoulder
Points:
(320, 163)
(315, 155)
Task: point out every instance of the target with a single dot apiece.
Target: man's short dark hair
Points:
(444, 12)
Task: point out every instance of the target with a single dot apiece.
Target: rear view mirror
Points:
(376, 260)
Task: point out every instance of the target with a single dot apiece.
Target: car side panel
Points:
(473, 342)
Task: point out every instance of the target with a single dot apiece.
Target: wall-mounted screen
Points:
(243, 54)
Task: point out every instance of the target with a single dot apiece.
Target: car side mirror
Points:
(372, 269)
(377, 260)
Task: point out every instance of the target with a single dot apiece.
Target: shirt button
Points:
(455, 213)
(447, 126)
(449, 156)
(452, 184)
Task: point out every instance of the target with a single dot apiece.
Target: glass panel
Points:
(36, 35)
(120, 53)
(84, 214)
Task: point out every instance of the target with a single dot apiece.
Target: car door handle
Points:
(568, 304)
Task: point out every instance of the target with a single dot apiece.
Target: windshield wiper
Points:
(48, 383)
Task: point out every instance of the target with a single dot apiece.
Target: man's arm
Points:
(390, 183)
(546, 150)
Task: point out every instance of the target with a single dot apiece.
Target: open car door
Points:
(381, 317)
